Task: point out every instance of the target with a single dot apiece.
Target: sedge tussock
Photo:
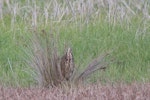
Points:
(51, 69)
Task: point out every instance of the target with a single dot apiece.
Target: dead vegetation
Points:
(50, 69)
(89, 92)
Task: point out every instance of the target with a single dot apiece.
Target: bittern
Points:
(67, 64)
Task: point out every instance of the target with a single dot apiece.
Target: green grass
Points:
(131, 50)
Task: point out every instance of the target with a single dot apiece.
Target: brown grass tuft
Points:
(51, 69)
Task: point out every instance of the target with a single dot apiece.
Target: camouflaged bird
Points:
(67, 64)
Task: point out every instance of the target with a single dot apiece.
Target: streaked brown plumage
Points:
(67, 64)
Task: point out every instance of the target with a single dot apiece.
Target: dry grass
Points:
(50, 69)
(90, 92)
(38, 12)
